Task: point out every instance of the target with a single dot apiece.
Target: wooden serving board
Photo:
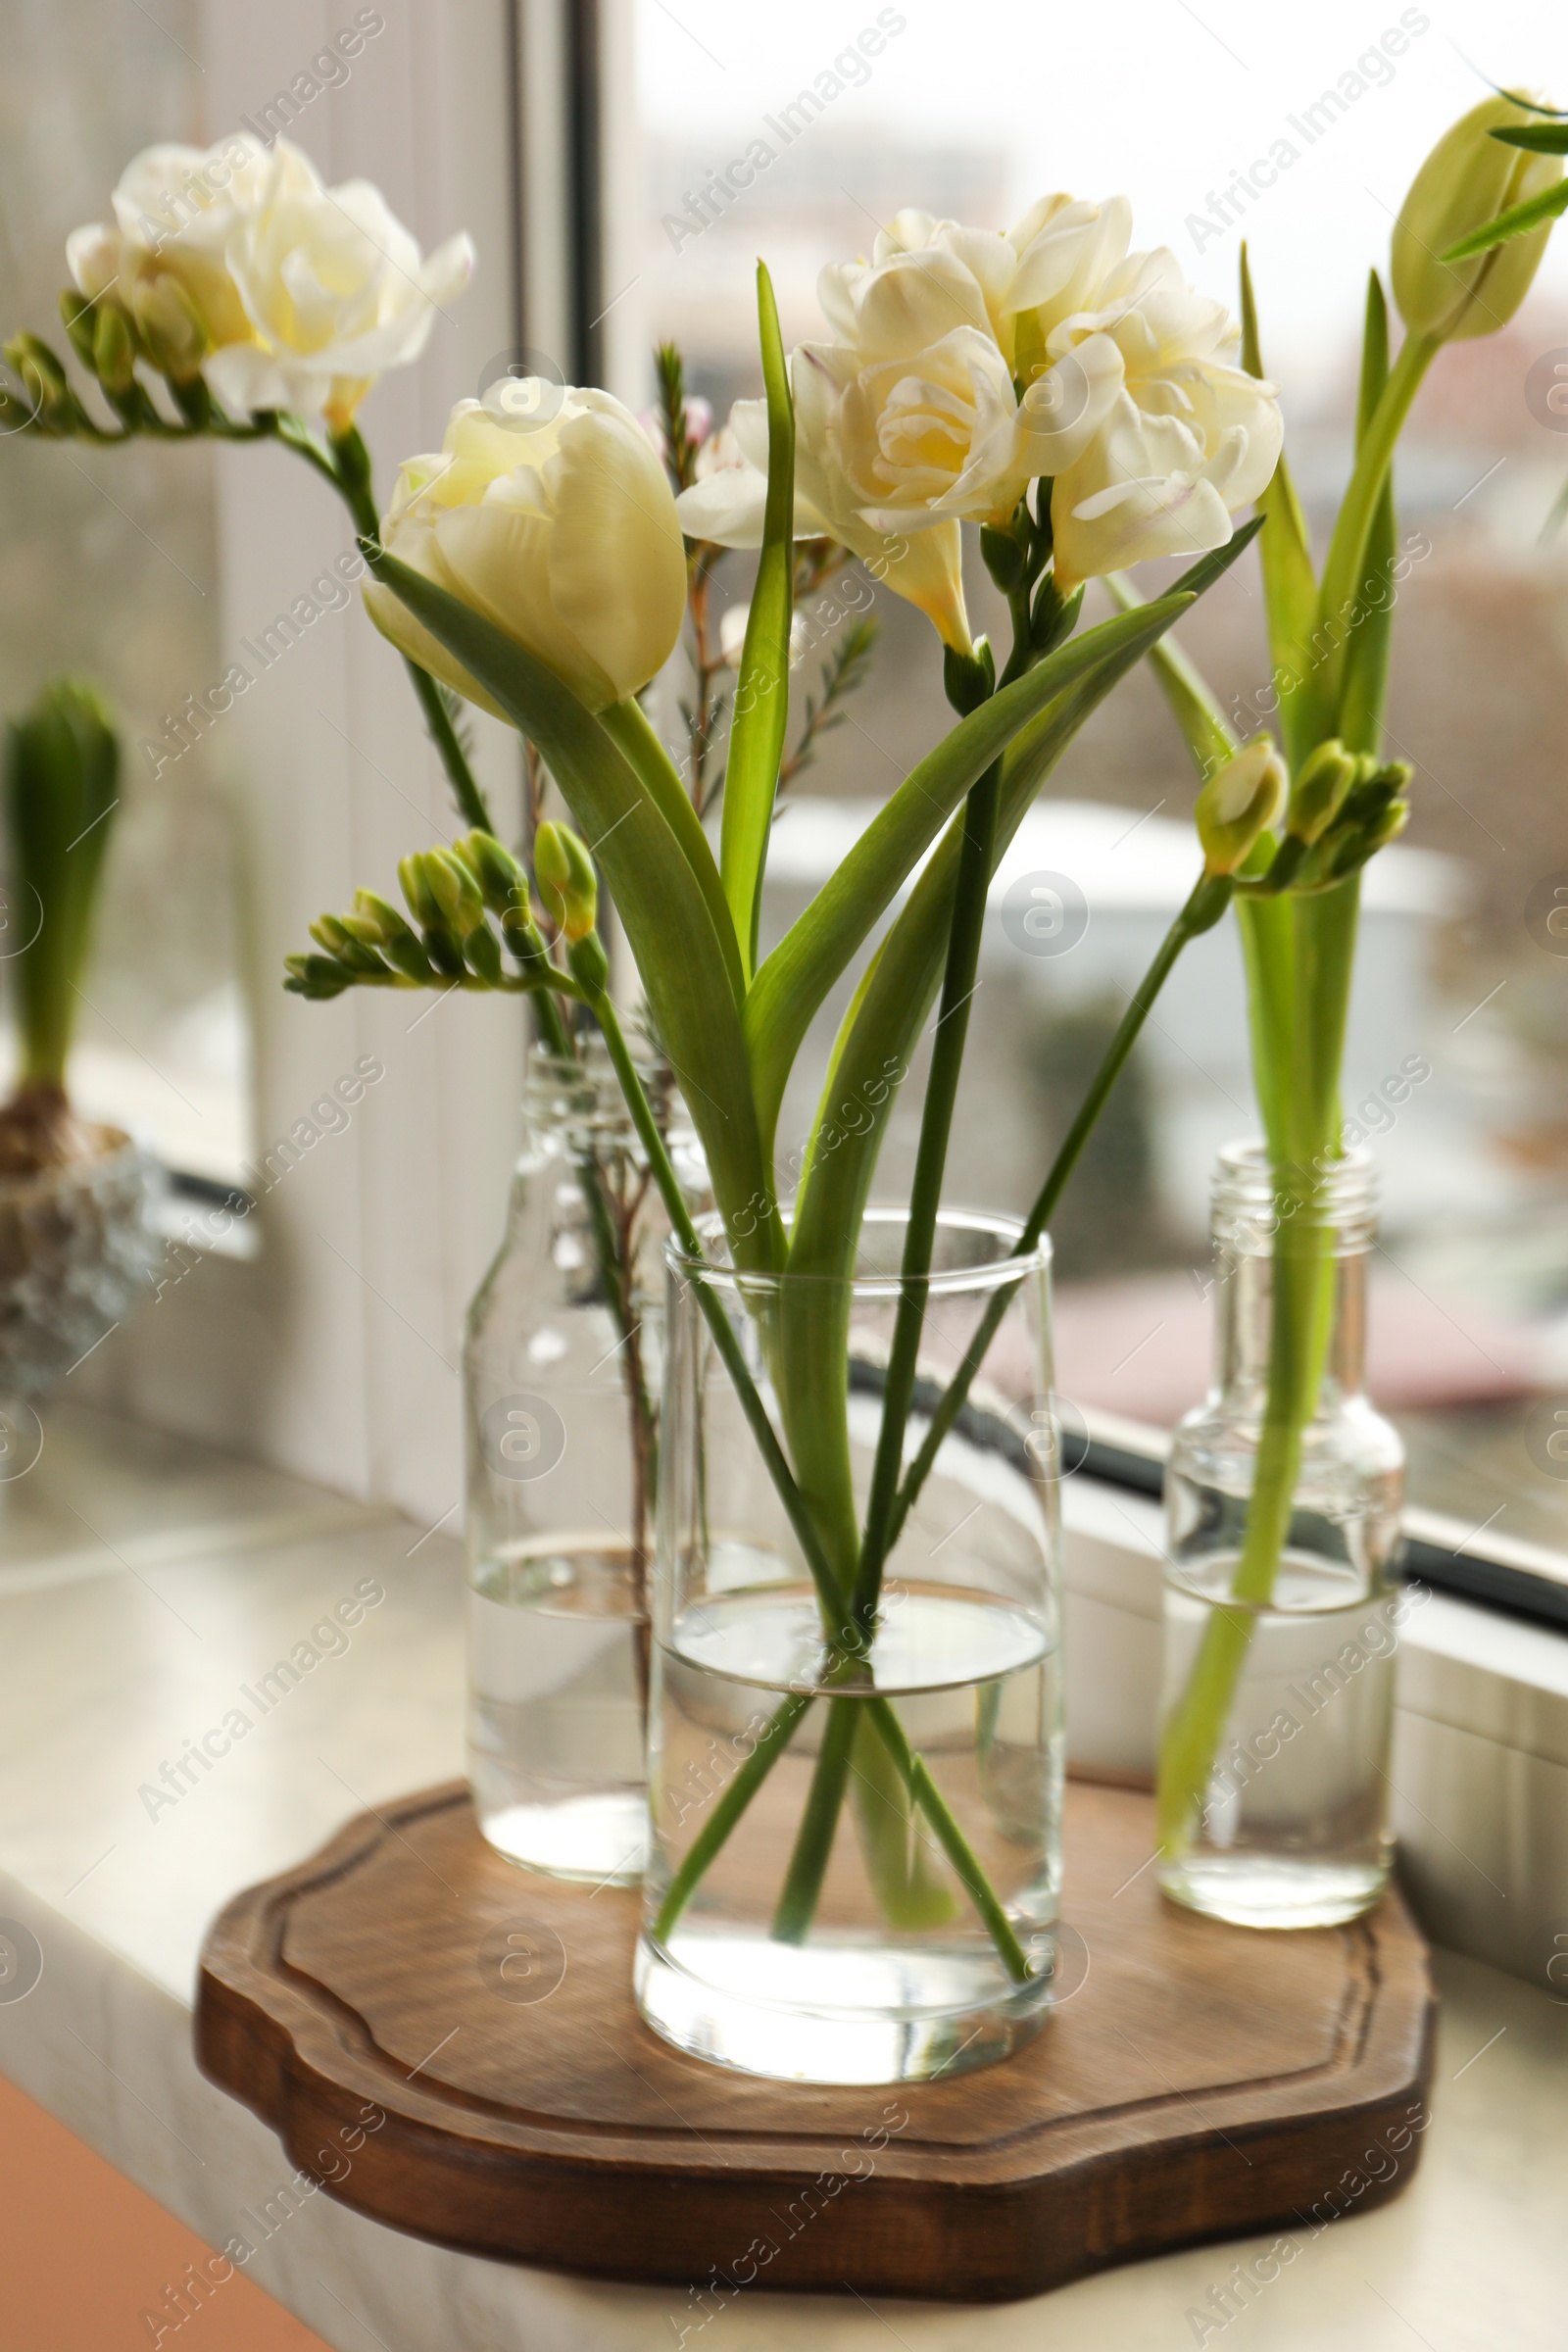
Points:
(1198, 2081)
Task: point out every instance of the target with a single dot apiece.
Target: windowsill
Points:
(137, 1608)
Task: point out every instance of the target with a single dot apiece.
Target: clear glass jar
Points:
(1283, 1495)
(561, 1371)
(833, 1928)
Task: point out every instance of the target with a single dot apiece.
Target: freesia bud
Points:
(1466, 182)
(590, 965)
(392, 935)
(566, 880)
(1319, 791)
(42, 377)
(453, 890)
(78, 317)
(1240, 803)
(502, 881)
(114, 353)
(170, 326)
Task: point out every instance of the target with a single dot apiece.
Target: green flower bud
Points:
(566, 880)
(43, 379)
(315, 976)
(339, 941)
(399, 945)
(114, 353)
(1319, 791)
(1238, 803)
(168, 325)
(422, 904)
(78, 317)
(502, 881)
(452, 889)
(1466, 182)
(590, 965)
(483, 953)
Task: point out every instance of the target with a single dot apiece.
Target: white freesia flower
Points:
(334, 289)
(1190, 439)
(1050, 265)
(174, 209)
(547, 511)
(288, 294)
(727, 501)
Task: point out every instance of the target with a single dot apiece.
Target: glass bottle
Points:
(561, 1371)
(813, 1909)
(1283, 1495)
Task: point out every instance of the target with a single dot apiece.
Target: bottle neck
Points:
(576, 1108)
(1290, 1278)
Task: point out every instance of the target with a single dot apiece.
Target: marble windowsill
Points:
(135, 1612)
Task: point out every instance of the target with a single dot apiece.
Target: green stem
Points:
(911, 1769)
(1342, 568)
(936, 1125)
(348, 470)
(813, 1841)
(1204, 908)
(717, 1830)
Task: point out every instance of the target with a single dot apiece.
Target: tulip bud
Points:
(1319, 791)
(1465, 182)
(566, 880)
(1239, 803)
(168, 325)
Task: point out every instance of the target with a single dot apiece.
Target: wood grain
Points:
(1200, 2080)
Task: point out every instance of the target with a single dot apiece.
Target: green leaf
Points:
(880, 1031)
(1364, 677)
(1542, 139)
(630, 726)
(1517, 221)
(1290, 584)
(802, 969)
(1206, 730)
(762, 688)
(657, 896)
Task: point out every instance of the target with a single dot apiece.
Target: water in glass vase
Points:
(556, 1708)
(1291, 1832)
(896, 1977)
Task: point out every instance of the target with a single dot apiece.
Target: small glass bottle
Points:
(1283, 1494)
(561, 1370)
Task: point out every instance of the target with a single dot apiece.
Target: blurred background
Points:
(1458, 1058)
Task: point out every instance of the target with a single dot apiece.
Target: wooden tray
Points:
(1201, 2082)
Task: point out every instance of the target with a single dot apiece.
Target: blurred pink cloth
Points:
(1143, 1348)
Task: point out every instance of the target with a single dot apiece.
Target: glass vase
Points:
(1283, 1496)
(855, 1855)
(562, 1372)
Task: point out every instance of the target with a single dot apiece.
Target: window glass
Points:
(107, 567)
(1302, 133)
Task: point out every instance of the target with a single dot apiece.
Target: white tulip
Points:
(334, 290)
(548, 512)
(1190, 440)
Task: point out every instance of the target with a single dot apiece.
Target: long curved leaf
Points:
(762, 688)
(1290, 584)
(658, 899)
(802, 969)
